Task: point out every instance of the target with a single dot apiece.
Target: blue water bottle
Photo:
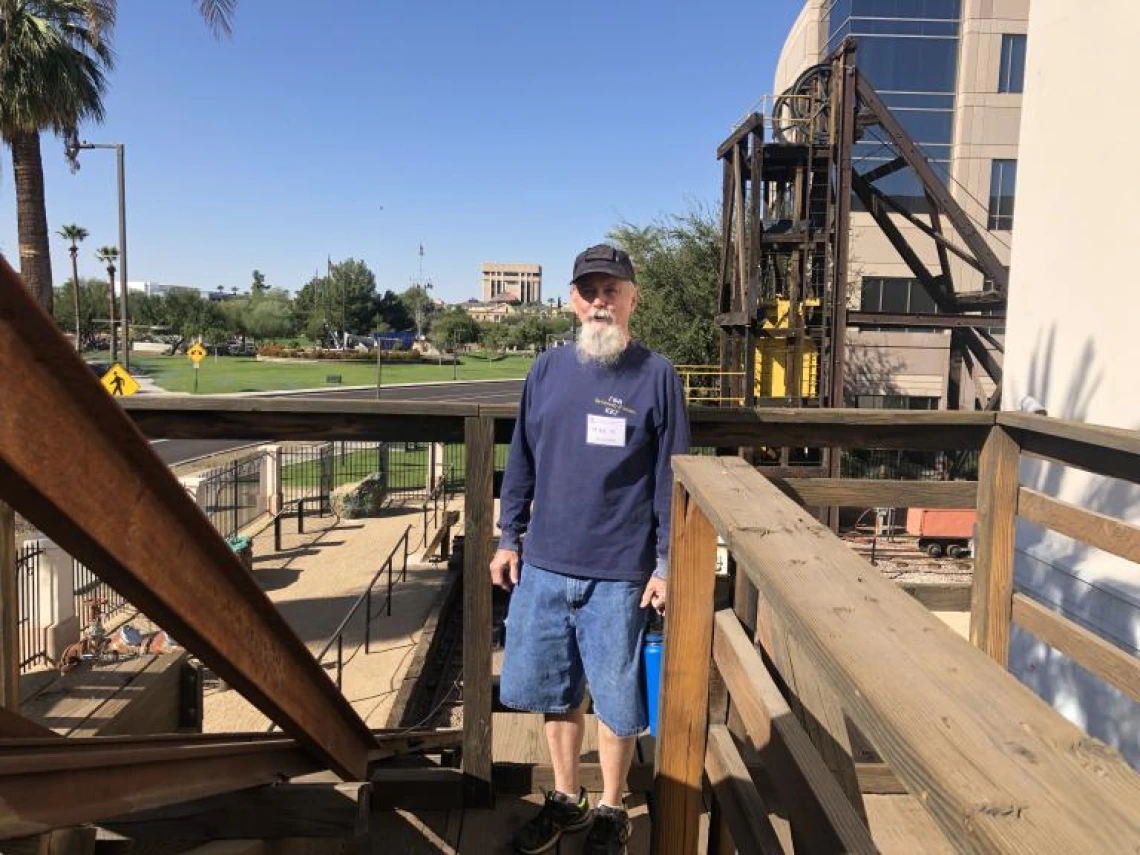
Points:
(651, 670)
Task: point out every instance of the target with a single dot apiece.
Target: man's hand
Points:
(505, 569)
(655, 594)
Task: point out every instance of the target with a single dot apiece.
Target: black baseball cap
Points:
(603, 258)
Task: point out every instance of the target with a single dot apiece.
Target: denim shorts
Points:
(564, 632)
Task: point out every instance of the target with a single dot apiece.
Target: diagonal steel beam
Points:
(75, 465)
(991, 264)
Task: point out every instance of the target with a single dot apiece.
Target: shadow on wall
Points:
(1090, 587)
(870, 371)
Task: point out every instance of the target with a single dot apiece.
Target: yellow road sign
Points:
(196, 352)
(118, 382)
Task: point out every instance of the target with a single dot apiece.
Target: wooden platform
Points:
(135, 695)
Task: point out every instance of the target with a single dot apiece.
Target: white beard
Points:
(601, 343)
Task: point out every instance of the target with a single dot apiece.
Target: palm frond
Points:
(219, 15)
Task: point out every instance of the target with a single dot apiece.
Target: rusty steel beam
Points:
(14, 725)
(41, 789)
(76, 466)
(49, 783)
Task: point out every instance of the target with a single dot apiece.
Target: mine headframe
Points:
(789, 183)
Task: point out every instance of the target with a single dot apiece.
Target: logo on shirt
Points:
(614, 406)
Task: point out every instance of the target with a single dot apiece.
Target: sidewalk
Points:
(314, 581)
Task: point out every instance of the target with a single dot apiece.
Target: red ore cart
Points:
(942, 531)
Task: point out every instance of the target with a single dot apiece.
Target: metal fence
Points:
(88, 586)
(306, 471)
(33, 642)
(882, 464)
(231, 495)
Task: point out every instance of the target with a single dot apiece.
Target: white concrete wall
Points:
(1072, 339)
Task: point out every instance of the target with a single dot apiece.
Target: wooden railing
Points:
(772, 702)
(806, 753)
(996, 605)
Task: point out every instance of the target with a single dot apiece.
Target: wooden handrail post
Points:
(479, 438)
(682, 730)
(992, 605)
(9, 613)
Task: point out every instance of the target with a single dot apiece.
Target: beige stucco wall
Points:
(802, 47)
(1072, 339)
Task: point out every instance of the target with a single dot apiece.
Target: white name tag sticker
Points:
(605, 430)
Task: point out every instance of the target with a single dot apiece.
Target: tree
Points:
(258, 287)
(109, 255)
(453, 327)
(392, 314)
(678, 270)
(53, 61)
(270, 317)
(419, 304)
(79, 308)
(52, 76)
(75, 234)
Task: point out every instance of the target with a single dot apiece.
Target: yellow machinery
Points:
(775, 352)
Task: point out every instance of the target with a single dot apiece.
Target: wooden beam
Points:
(9, 613)
(751, 122)
(940, 596)
(1095, 529)
(480, 503)
(823, 819)
(1113, 452)
(993, 552)
(340, 810)
(840, 427)
(140, 520)
(744, 811)
(296, 418)
(743, 672)
(526, 778)
(683, 716)
(1006, 774)
(861, 492)
(1097, 655)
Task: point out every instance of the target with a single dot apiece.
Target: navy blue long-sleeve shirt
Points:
(589, 478)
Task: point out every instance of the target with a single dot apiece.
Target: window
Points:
(896, 402)
(1011, 75)
(898, 295)
(1003, 178)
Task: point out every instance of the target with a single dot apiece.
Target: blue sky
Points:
(493, 131)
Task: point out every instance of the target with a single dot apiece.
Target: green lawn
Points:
(245, 374)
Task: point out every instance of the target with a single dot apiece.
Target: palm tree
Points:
(52, 68)
(53, 59)
(75, 234)
(109, 255)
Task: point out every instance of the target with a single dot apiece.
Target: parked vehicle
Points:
(942, 531)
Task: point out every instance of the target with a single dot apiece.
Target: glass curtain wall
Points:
(908, 50)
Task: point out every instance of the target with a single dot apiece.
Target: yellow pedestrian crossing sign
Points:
(196, 352)
(118, 382)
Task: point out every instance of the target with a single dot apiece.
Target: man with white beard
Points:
(589, 482)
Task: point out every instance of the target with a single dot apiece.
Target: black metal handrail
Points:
(437, 500)
(365, 599)
(33, 644)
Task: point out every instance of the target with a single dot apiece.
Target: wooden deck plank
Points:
(901, 826)
(425, 832)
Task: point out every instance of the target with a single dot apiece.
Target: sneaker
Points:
(609, 833)
(559, 814)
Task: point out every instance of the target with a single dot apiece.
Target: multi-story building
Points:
(952, 72)
(520, 283)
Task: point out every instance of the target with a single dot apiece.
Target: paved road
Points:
(174, 451)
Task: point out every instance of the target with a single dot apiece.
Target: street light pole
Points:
(74, 146)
